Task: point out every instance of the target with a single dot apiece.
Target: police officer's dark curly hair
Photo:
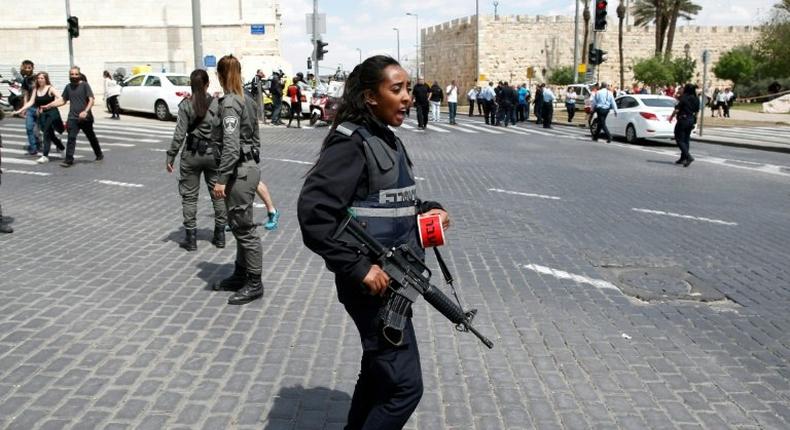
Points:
(365, 77)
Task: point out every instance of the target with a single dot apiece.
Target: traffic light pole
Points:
(71, 44)
(593, 66)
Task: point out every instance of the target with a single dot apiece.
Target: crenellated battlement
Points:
(466, 22)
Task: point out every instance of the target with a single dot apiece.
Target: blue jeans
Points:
(453, 108)
(33, 142)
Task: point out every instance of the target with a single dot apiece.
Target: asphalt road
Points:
(620, 290)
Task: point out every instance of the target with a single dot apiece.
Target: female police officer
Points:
(238, 179)
(363, 167)
(197, 120)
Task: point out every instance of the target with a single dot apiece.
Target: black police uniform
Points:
(365, 170)
(687, 108)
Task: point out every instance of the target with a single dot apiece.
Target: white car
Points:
(640, 116)
(158, 93)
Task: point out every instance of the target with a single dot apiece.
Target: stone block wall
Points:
(511, 44)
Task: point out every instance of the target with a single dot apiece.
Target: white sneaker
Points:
(43, 159)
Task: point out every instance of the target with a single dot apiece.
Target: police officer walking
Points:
(602, 103)
(238, 180)
(198, 119)
(361, 166)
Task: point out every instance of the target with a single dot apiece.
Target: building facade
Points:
(509, 45)
(115, 33)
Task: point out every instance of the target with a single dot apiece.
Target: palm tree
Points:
(680, 9)
(664, 14)
(586, 16)
(621, 17)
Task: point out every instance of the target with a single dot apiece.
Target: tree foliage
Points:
(774, 43)
(737, 65)
(561, 76)
(654, 72)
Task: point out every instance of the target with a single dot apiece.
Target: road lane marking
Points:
(516, 193)
(579, 279)
(26, 172)
(120, 184)
(677, 215)
(286, 160)
(483, 129)
(435, 128)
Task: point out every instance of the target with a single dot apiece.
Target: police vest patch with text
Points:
(230, 123)
(406, 194)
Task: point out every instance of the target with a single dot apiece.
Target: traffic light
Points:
(593, 55)
(319, 49)
(600, 15)
(74, 26)
(601, 56)
(309, 63)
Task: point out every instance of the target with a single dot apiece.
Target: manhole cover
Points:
(656, 281)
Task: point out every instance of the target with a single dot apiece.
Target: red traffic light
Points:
(601, 4)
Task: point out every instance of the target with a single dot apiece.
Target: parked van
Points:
(582, 94)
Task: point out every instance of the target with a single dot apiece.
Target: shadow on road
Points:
(203, 234)
(213, 272)
(660, 162)
(308, 408)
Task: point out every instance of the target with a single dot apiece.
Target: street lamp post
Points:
(496, 5)
(360, 55)
(417, 38)
(397, 32)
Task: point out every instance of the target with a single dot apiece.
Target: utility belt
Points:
(249, 152)
(201, 146)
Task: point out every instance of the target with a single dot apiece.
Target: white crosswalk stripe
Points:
(110, 134)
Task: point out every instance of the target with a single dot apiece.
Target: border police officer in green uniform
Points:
(238, 180)
(197, 121)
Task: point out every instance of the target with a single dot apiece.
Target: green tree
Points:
(774, 43)
(561, 76)
(654, 71)
(737, 65)
(682, 70)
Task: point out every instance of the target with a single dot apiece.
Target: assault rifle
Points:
(410, 278)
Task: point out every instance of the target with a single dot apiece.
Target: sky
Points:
(368, 25)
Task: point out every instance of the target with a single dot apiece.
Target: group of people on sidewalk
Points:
(40, 110)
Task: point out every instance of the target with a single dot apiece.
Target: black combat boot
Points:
(233, 283)
(190, 240)
(219, 236)
(253, 289)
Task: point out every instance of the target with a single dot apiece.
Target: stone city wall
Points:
(511, 44)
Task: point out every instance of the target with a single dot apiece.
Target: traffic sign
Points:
(257, 29)
(320, 23)
(530, 72)
(582, 68)
(482, 77)
(210, 61)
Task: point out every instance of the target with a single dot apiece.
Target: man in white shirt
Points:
(471, 97)
(547, 110)
(488, 99)
(602, 103)
(452, 100)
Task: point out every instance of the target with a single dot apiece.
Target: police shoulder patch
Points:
(230, 123)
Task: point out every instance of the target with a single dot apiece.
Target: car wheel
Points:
(630, 134)
(161, 110)
(593, 126)
(314, 118)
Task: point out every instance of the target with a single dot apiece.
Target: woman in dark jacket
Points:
(686, 113)
(351, 175)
